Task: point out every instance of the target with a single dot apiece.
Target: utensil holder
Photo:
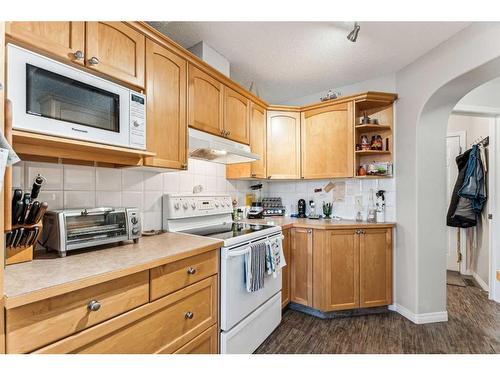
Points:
(22, 254)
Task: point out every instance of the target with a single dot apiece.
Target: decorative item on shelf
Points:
(327, 210)
(379, 169)
(358, 147)
(330, 95)
(376, 143)
(387, 144)
(374, 121)
(365, 120)
(365, 143)
(372, 169)
(361, 170)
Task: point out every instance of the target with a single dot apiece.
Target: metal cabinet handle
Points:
(309, 231)
(191, 271)
(78, 55)
(189, 315)
(184, 166)
(228, 132)
(93, 60)
(222, 132)
(253, 175)
(94, 305)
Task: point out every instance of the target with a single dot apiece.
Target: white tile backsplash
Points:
(18, 176)
(54, 199)
(132, 180)
(133, 199)
(153, 181)
(53, 174)
(77, 177)
(108, 179)
(79, 199)
(108, 198)
(152, 201)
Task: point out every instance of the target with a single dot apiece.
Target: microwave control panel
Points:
(137, 120)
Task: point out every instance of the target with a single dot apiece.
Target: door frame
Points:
(493, 191)
(463, 269)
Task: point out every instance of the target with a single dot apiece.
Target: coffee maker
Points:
(301, 208)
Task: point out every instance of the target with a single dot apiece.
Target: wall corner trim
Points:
(433, 317)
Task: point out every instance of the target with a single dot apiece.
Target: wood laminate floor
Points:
(473, 327)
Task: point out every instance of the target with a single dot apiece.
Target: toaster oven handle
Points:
(96, 211)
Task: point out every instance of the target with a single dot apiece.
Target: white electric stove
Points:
(246, 318)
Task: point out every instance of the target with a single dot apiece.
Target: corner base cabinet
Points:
(341, 269)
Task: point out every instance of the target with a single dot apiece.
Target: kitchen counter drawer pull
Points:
(94, 305)
(191, 271)
(93, 60)
(189, 315)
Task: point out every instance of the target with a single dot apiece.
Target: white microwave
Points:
(52, 98)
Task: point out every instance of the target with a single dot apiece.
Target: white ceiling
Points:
(288, 60)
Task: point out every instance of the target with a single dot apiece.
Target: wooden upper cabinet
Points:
(301, 257)
(166, 92)
(336, 269)
(327, 142)
(256, 169)
(205, 102)
(236, 116)
(62, 39)
(115, 49)
(283, 145)
(375, 258)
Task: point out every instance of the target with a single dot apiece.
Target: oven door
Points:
(52, 98)
(236, 302)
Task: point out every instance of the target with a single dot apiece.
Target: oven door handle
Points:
(238, 253)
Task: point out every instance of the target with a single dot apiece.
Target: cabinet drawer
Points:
(177, 275)
(162, 326)
(206, 343)
(40, 323)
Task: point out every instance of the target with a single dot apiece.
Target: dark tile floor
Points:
(473, 327)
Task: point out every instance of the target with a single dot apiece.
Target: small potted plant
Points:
(327, 210)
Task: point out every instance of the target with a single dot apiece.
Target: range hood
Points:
(209, 147)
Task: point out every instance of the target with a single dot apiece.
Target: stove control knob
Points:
(185, 205)
(216, 204)
(177, 205)
(193, 205)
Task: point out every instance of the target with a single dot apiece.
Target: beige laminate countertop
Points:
(289, 222)
(46, 277)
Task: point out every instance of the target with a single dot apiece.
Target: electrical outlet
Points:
(358, 200)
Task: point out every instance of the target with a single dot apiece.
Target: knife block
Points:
(19, 254)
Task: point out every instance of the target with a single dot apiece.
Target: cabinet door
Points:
(337, 266)
(62, 39)
(118, 51)
(283, 145)
(236, 116)
(285, 271)
(205, 343)
(301, 266)
(4, 194)
(375, 249)
(166, 92)
(327, 142)
(205, 102)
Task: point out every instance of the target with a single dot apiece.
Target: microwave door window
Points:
(61, 98)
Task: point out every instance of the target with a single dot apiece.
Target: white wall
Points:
(74, 186)
(478, 256)
(385, 83)
(428, 89)
(487, 95)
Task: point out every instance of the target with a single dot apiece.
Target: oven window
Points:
(95, 227)
(61, 98)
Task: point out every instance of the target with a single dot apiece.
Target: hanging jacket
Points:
(460, 213)
(473, 187)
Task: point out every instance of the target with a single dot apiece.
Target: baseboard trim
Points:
(481, 282)
(434, 317)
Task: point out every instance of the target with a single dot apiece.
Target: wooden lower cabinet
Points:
(205, 343)
(163, 326)
(285, 271)
(301, 286)
(375, 267)
(341, 269)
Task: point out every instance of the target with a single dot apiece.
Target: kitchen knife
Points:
(26, 205)
(17, 240)
(34, 236)
(15, 232)
(35, 206)
(17, 211)
(16, 197)
(37, 185)
(41, 212)
(24, 238)
(8, 238)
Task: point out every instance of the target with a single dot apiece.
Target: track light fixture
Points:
(353, 35)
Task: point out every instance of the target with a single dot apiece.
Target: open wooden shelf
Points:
(372, 152)
(50, 146)
(372, 128)
(369, 177)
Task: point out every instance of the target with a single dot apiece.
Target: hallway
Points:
(473, 327)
